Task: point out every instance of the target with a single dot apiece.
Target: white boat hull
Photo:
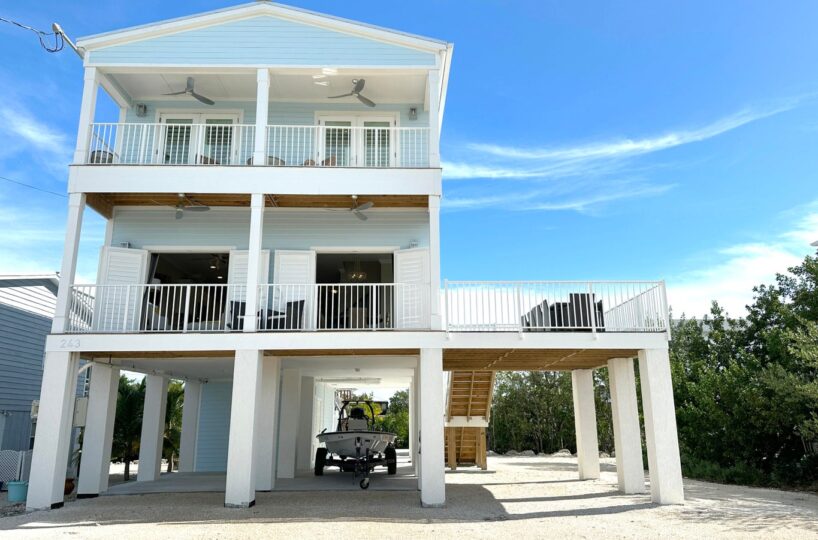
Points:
(345, 443)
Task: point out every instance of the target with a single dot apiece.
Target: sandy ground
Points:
(520, 497)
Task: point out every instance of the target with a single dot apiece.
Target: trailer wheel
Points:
(391, 460)
(320, 461)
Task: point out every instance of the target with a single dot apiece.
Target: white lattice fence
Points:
(9, 465)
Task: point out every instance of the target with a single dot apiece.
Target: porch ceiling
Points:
(104, 203)
(530, 359)
(302, 85)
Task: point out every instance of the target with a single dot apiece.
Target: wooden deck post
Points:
(452, 448)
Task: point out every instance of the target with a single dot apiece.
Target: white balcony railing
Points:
(171, 144)
(222, 308)
(540, 306)
(344, 306)
(154, 308)
(344, 146)
(233, 144)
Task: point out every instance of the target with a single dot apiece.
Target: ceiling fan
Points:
(357, 86)
(358, 209)
(191, 92)
(186, 204)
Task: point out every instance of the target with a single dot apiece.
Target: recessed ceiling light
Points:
(319, 76)
(212, 266)
(321, 83)
(219, 277)
(329, 71)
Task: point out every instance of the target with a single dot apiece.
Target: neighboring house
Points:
(272, 194)
(26, 312)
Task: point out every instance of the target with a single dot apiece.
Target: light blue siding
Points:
(283, 229)
(262, 40)
(214, 427)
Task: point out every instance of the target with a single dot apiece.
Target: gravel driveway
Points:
(520, 497)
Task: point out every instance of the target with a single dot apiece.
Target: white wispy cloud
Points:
(23, 136)
(495, 161)
(736, 269)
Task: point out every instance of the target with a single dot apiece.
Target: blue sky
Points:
(582, 140)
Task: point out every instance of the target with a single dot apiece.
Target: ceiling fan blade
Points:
(360, 215)
(366, 101)
(205, 100)
(342, 95)
(180, 212)
(176, 93)
(359, 85)
(365, 206)
(197, 208)
(189, 87)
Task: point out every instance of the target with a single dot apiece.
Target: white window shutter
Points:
(412, 279)
(294, 278)
(119, 301)
(237, 278)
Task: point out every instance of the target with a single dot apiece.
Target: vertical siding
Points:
(262, 40)
(214, 427)
(22, 342)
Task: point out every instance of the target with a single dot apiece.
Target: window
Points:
(197, 138)
(357, 141)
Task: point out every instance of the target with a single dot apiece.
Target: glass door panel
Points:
(217, 148)
(376, 143)
(178, 134)
(337, 143)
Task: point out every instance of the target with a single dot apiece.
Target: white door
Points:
(357, 141)
(122, 292)
(197, 139)
(237, 286)
(294, 295)
(412, 283)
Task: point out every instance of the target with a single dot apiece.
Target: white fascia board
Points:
(351, 340)
(138, 33)
(250, 179)
(444, 83)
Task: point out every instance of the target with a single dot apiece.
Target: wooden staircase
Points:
(468, 411)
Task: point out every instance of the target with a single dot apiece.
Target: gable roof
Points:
(257, 8)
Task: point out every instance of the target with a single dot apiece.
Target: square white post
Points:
(53, 438)
(240, 490)
(630, 470)
(582, 383)
(254, 262)
(190, 426)
(660, 427)
(288, 422)
(304, 457)
(412, 423)
(90, 88)
(434, 262)
(68, 270)
(433, 102)
(267, 422)
(262, 108)
(153, 428)
(99, 431)
(432, 417)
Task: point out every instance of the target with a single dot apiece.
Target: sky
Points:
(633, 140)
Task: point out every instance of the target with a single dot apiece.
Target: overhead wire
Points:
(42, 35)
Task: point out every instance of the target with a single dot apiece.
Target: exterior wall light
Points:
(413, 113)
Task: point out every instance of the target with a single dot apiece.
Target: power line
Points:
(59, 42)
(33, 187)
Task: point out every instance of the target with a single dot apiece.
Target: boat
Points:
(356, 446)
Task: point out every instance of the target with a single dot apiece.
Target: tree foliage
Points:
(128, 422)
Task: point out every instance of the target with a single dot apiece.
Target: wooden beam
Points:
(452, 450)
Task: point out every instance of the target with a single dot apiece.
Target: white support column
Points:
(288, 422)
(190, 426)
(434, 261)
(433, 99)
(240, 490)
(304, 457)
(262, 107)
(254, 261)
(416, 435)
(90, 87)
(76, 207)
(53, 438)
(99, 431)
(582, 383)
(432, 417)
(660, 427)
(412, 423)
(630, 469)
(153, 428)
(267, 421)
